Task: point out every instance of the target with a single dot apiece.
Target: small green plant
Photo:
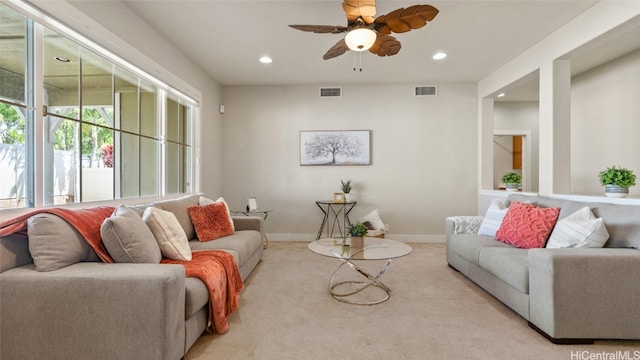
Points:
(617, 176)
(346, 186)
(357, 230)
(511, 178)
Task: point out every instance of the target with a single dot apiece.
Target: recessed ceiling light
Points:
(62, 59)
(265, 60)
(501, 94)
(439, 56)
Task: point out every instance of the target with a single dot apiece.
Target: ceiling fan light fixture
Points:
(360, 39)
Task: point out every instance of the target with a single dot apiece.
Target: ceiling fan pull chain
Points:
(359, 55)
(354, 60)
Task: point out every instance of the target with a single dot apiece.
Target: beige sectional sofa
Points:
(570, 295)
(93, 310)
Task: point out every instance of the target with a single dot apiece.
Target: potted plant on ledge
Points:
(617, 181)
(511, 181)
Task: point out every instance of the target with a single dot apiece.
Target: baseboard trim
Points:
(561, 341)
(408, 238)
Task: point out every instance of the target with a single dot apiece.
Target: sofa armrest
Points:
(585, 293)
(248, 223)
(93, 311)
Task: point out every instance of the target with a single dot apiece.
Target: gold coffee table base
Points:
(360, 285)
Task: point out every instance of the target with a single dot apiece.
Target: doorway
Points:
(512, 152)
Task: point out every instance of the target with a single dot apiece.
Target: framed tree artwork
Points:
(335, 147)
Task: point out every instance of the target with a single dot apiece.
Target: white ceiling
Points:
(226, 39)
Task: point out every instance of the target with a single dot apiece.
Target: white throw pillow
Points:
(493, 218)
(580, 229)
(168, 233)
(373, 218)
(206, 201)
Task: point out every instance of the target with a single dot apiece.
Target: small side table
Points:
(263, 213)
(333, 212)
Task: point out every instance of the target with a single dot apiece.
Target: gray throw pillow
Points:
(54, 243)
(128, 239)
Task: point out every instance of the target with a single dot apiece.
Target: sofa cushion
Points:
(493, 218)
(511, 265)
(196, 296)
(137, 209)
(168, 233)
(211, 221)
(54, 243)
(622, 224)
(468, 246)
(527, 226)
(580, 229)
(128, 239)
(179, 208)
(241, 244)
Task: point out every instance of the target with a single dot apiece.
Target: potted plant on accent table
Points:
(346, 189)
(357, 232)
(617, 181)
(511, 181)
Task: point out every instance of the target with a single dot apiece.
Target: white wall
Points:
(605, 123)
(423, 155)
(556, 167)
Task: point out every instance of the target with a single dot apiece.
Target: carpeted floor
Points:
(434, 312)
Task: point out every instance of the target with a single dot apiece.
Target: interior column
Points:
(555, 128)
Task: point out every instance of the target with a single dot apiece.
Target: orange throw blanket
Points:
(86, 221)
(217, 269)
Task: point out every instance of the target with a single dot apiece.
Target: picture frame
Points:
(253, 204)
(335, 147)
(338, 197)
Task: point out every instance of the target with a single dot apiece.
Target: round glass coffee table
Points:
(367, 248)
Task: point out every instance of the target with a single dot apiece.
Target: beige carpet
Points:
(434, 312)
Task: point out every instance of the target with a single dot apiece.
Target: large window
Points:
(14, 125)
(106, 130)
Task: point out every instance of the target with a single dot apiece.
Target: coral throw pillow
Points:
(211, 221)
(527, 226)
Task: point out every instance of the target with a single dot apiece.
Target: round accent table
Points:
(356, 250)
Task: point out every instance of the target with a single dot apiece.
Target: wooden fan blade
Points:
(336, 50)
(385, 45)
(364, 9)
(403, 20)
(321, 29)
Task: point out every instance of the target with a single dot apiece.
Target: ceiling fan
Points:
(364, 31)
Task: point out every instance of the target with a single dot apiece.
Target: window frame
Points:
(36, 112)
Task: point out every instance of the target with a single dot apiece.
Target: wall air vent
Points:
(330, 92)
(430, 90)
